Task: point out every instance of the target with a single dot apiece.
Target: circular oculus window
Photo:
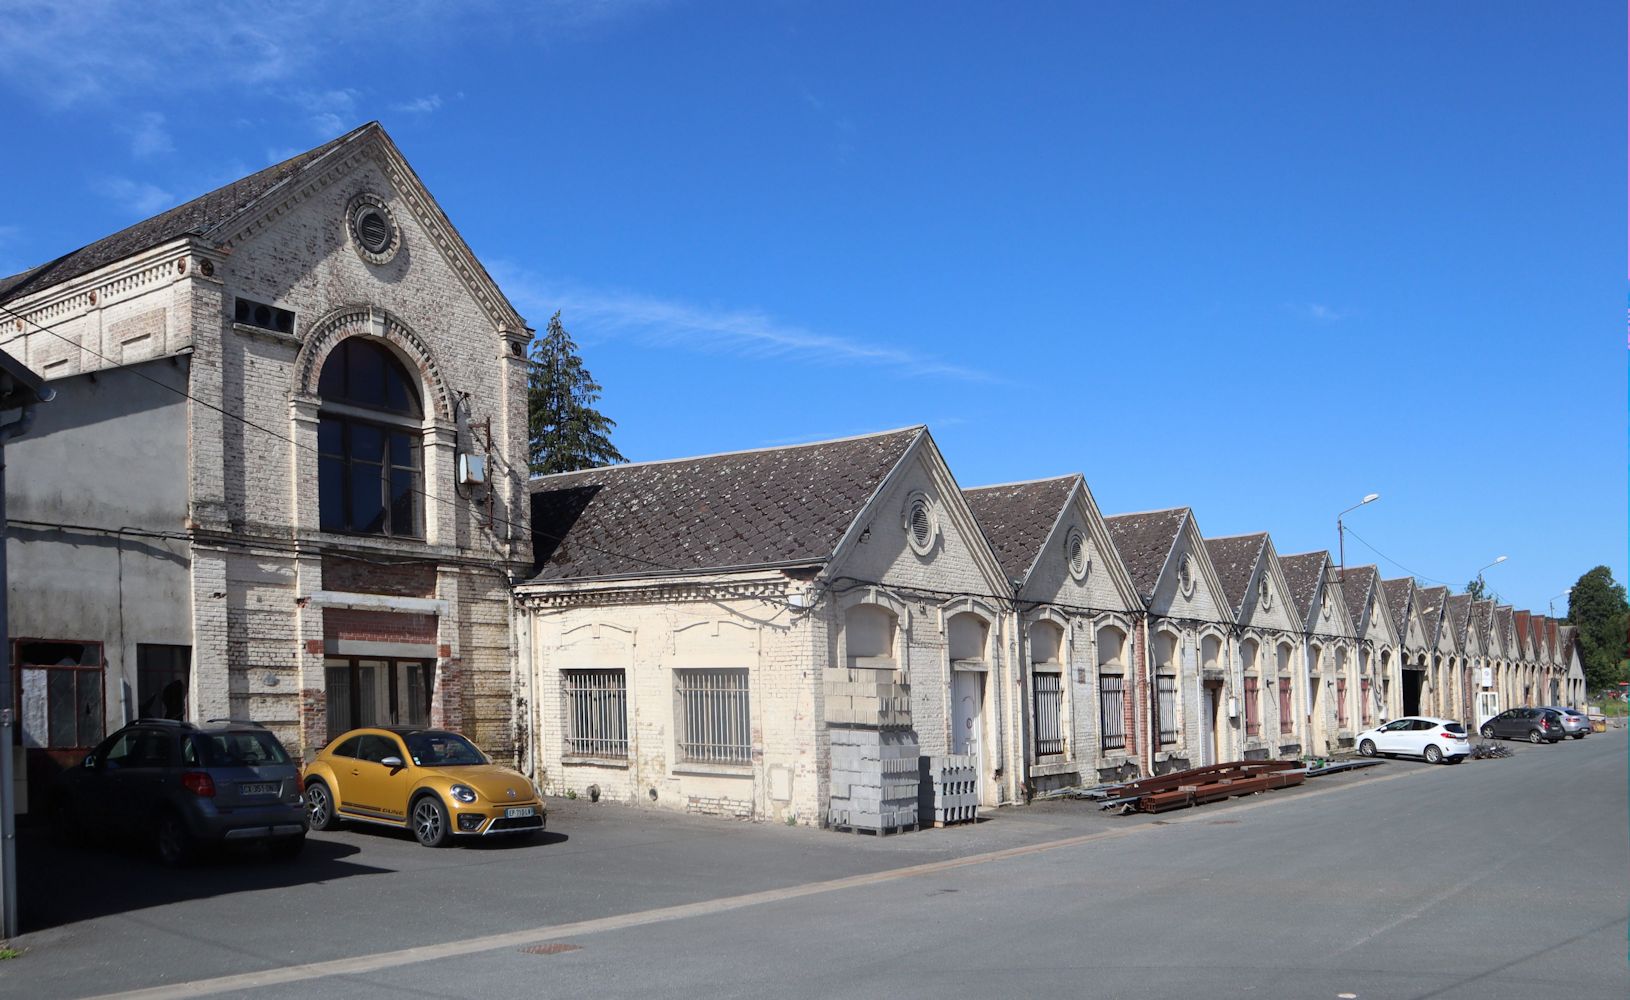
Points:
(1075, 548)
(373, 229)
(1265, 594)
(1185, 576)
(1325, 604)
(921, 523)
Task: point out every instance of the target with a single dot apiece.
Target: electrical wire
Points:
(1406, 569)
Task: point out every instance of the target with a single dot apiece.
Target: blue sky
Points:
(1260, 259)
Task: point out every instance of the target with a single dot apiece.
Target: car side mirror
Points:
(394, 763)
(90, 762)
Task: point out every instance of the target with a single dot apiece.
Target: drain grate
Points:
(550, 949)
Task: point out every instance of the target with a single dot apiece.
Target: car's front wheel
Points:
(1578, 736)
(1366, 748)
(430, 821)
(1433, 754)
(320, 807)
(1488, 732)
(1534, 736)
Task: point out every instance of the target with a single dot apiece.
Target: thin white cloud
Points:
(663, 323)
(330, 112)
(419, 105)
(138, 198)
(148, 135)
(1316, 312)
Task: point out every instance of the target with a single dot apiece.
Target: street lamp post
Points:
(1341, 539)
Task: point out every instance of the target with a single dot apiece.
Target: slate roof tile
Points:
(1144, 541)
(1235, 558)
(740, 510)
(1459, 608)
(1355, 589)
(1431, 601)
(1399, 593)
(1017, 518)
(1302, 571)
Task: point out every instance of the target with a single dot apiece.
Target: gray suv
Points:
(183, 787)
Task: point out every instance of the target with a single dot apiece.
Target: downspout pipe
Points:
(9, 927)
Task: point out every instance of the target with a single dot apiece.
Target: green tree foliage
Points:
(565, 432)
(1480, 591)
(1598, 607)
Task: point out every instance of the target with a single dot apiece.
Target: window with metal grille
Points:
(1253, 707)
(1166, 707)
(1049, 707)
(714, 725)
(1341, 702)
(1364, 707)
(1287, 721)
(596, 713)
(1111, 711)
(58, 687)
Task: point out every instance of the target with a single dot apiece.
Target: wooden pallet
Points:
(886, 831)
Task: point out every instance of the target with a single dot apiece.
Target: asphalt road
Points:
(1487, 879)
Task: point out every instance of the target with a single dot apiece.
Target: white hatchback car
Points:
(1435, 740)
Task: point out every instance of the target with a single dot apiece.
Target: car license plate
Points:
(257, 788)
(519, 812)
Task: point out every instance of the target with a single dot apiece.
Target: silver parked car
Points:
(1574, 722)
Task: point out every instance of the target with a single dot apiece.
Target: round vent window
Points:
(1265, 595)
(1324, 604)
(373, 229)
(921, 523)
(1185, 576)
(1075, 547)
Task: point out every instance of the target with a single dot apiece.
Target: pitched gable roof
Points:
(1356, 582)
(1235, 559)
(1145, 541)
(1507, 630)
(196, 217)
(1483, 618)
(1399, 593)
(1303, 572)
(777, 506)
(1458, 609)
(1431, 601)
(1018, 518)
(1525, 636)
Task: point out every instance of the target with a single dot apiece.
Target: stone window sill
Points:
(1048, 768)
(275, 336)
(611, 762)
(715, 770)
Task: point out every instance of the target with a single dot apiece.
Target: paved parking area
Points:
(107, 921)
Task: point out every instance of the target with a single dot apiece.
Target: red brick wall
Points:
(377, 626)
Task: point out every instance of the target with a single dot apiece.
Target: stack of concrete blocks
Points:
(949, 789)
(874, 752)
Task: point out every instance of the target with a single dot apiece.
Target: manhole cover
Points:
(550, 949)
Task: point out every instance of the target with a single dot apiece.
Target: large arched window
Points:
(368, 433)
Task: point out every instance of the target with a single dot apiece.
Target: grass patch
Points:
(1612, 708)
(6, 953)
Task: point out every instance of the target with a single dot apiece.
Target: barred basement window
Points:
(1111, 711)
(596, 713)
(1253, 707)
(714, 725)
(1166, 708)
(1049, 708)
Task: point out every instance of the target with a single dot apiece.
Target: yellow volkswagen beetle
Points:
(431, 782)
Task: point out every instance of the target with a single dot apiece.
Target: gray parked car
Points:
(1574, 722)
(182, 787)
(1536, 725)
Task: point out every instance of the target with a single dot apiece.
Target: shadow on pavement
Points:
(62, 884)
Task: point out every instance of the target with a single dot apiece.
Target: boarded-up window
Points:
(1287, 720)
(1253, 707)
(1341, 702)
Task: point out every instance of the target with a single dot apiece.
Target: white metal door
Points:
(1488, 706)
(1208, 724)
(968, 696)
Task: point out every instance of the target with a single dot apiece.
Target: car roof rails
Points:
(154, 721)
(234, 722)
